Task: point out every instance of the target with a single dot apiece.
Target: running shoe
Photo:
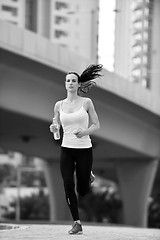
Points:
(76, 229)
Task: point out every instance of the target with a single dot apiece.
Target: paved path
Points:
(59, 232)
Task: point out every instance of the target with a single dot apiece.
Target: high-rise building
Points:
(141, 41)
(133, 40)
(74, 24)
(70, 23)
(13, 11)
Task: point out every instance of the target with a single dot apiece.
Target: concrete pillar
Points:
(136, 179)
(58, 206)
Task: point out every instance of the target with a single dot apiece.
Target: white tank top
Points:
(71, 122)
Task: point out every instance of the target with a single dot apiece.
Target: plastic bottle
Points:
(57, 133)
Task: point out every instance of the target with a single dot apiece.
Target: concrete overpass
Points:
(32, 73)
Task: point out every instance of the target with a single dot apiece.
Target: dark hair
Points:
(75, 74)
(87, 76)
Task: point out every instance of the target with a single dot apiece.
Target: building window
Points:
(61, 5)
(63, 45)
(13, 22)
(60, 33)
(60, 19)
(12, 10)
(141, 41)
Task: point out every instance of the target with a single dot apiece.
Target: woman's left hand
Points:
(79, 133)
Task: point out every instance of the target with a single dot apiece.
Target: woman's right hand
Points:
(53, 128)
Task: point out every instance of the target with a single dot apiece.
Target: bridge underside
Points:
(31, 136)
(28, 91)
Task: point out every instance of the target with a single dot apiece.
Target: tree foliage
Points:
(34, 207)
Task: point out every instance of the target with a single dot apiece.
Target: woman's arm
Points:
(56, 112)
(56, 116)
(94, 121)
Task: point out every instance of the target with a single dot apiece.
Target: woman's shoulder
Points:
(87, 102)
(86, 99)
(58, 104)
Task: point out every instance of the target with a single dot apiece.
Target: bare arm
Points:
(93, 118)
(56, 115)
(56, 112)
(94, 121)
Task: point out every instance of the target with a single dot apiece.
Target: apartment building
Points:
(71, 23)
(133, 38)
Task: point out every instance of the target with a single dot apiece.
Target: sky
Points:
(106, 33)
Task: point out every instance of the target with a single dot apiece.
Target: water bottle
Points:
(57, 133)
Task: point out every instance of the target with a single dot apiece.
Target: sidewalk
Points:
(59, 232)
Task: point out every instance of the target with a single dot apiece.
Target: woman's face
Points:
(71, 82)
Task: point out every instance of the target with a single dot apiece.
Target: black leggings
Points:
(79, 161)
